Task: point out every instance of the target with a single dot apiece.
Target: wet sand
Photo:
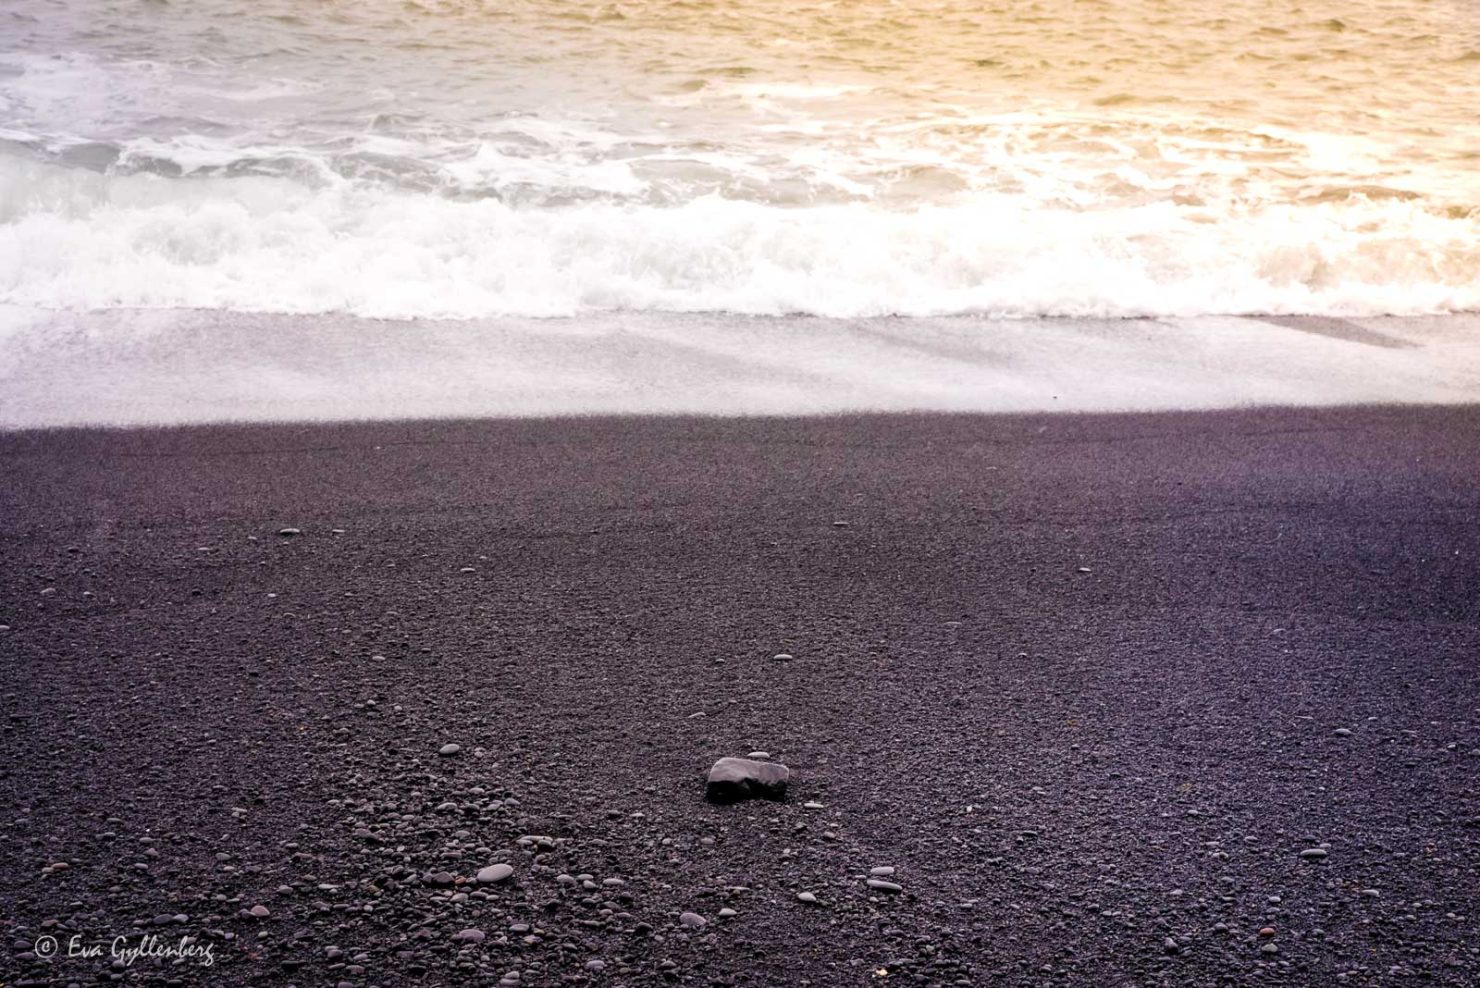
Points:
(1091, 685)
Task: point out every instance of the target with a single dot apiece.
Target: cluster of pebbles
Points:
(416, 890)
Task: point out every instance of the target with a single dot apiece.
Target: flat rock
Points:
(734, 779)
(692, 919)
(470, 936)
(883, 886)
(448, 750)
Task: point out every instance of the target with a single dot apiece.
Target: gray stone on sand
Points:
(734, 779)
(494, 873)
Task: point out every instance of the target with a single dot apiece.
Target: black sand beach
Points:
(1100, 689)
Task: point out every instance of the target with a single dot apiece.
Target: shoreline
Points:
(1090, 684)
(134, 368)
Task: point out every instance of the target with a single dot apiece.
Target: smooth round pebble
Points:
(494, 873)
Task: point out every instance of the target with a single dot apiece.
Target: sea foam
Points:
(73, 238)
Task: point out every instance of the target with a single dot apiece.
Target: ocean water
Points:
(474, 158)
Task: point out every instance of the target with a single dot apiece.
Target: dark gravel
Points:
(1093, 687)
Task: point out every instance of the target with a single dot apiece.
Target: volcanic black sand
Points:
(1090, 685)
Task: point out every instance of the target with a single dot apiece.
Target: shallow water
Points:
(922, 158)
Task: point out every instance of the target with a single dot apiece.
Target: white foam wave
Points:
(77, 239)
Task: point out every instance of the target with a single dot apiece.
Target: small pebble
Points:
(448, 750)
(692, 919)
(807, 897)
